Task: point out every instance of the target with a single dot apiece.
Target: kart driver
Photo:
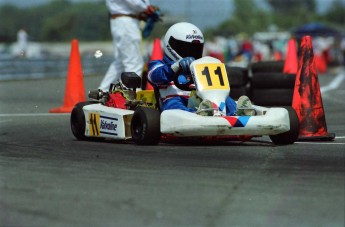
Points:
(183, 43)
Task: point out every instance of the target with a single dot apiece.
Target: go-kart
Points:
(123, 113)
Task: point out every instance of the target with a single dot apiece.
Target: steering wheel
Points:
(186, 86)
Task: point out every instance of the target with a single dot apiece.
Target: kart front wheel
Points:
(78, 120)
(290, 136)
(145, 126)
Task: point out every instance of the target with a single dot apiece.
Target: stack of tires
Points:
(239, 81)
(269, 85)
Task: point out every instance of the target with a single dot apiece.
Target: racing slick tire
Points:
(273, 80)
(290, 136)
(267, 66)
(239, 81)
(145, 126)
(237, 92)
(237, 76)
(272, 97)
(78, 123)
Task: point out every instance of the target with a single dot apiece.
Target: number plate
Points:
(211, 76)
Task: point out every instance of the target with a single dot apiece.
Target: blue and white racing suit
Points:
(161, 75)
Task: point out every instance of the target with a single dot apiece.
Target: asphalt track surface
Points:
(48, 178)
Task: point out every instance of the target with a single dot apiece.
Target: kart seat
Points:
(131, 80)
(159, 101)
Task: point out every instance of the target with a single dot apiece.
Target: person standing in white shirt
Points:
(126, 34)
(22, 39)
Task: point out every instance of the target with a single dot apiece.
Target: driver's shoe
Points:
(245, 107)
(193, 101)
(205, 108)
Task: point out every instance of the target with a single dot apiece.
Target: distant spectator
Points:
(233, 48)
(214, 48)
(22, 39)
(247, 49)
(342, 48)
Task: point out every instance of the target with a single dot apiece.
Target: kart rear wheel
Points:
(78, 123)
(145, 126)
(290, 136)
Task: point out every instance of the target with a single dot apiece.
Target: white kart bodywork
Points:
(182, 123)
(107, 122)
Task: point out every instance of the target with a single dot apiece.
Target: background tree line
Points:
(61, 20)
(284, 14)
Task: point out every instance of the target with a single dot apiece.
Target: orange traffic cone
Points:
(157, 54)
(75, 91)
(277, 56)
(291, 62)
(321, 63)
(307, 99)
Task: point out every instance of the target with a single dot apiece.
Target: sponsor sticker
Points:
(102, 125)
(211, 76)
(94, 119)
(108, 125)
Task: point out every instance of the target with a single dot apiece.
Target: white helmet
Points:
(183, 40)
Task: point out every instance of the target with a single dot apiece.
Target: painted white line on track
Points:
(35, 115)
(322, 143)
(337, 138)
(334, 84)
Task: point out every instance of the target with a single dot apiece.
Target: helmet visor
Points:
(187, 49)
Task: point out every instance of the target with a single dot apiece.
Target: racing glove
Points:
(182, 66)
(152, 12)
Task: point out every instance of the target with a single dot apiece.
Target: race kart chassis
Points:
(137, 116)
